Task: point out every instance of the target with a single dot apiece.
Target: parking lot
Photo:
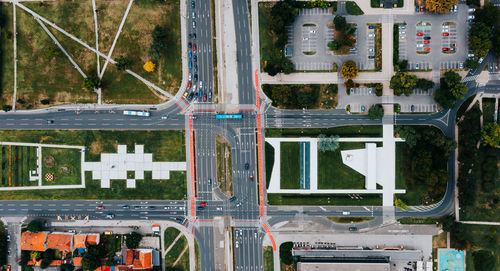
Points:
(309, 38)
(449, 37)
(423, 37)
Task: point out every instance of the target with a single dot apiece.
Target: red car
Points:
(100, 207)
(446, 49)
(194, 46)
(204, 97)
(189, 84)
(426, 41)
(8, 267)
(446, 34)
(203, 204)
(427, 49)
(420, 34)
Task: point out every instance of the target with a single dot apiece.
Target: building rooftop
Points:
(80, 241)
(61, 242)
(33, 241)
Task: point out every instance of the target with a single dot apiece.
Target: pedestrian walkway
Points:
(114, 166)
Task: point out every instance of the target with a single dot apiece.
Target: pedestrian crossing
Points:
(313, 66)
(314, 11)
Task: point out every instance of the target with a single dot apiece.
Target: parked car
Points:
(194, 24)
(402, 27)
(353, 229)
(420, 34)
(446, 34)
(203, 204)
(110, 216)
(371, 27)
(192, 4)
(427, 38)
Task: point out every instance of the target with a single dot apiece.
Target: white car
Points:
(420, 45)
(481, 60)
(471, 10)
(371, 50)
(470, 17)
(470, 55)
(402, 32)
(189, 77)
(237, 244)
(201, 84)
(371, 35)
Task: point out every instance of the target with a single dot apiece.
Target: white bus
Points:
(136, 113)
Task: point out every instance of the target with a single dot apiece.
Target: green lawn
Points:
(342, 131)
(333, 174)
(268, 259)
(269, 163)
(169, 236)
(334, 199)
(290, 165)
(488, 110)
(353, 9)
(172, 189)
(310, 96)
(418, 220)
(175, 252)
(266, 38)
(66, 166)
(6, 55)
(166, 146)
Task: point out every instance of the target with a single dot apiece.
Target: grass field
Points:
(19, 170)
(266, 38)
(343, 131)
(55, 78)
(353, 9)
(224, 166)
(166, 146)
(334, 199)
(169, 236)
(269, 163)
(488, 110)
(333, 174)
(6, 56)
(268, 259)
(290, 165)
(65, 164)
(174, 254)
(172, 189)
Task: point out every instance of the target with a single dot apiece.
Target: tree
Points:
(123, 63)
(6, 107)
(149, 66)
(403, 65)
(410, 134)
(450, 90)
(349, 70)
(440, 6)
(92, 258)
(339, 22)
(328, 143)
(490, 135)
(37, 255)
(133, 239)
(376, 111)
(35, 226)
(47, 257)
(335, 45)
(159, 43)
(403, 82)
(400, 204)
(436, 182)
(45, 101)
(92, 82)
(484, 260)
(286, 253)
(66, 267)
(480, 39)
(424, 84)
(25, 257)
(472, 63)
(488, 15)
(349, 84)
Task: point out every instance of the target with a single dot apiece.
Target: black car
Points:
(353, 229)
(201, 207)
(190, 97)
(247, 166)
(137, 207)
(50, 121)
(152, 207)
(195, 58)
(193, 36)
(195, 67)
(195, 78)
(190, 46)
(232, 199)
(126, 207)
(192, 4)
(427, 38)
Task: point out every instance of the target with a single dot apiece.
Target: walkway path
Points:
(116, 38)
(173, 243)
(62, 48)
(34, 14)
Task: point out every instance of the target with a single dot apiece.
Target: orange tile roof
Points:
(92, 239)
(130, 257)
(77, 261)
(33, 241)
(103, 268)
(144, 261)
(80, 241)
(55, 263)
(61, 242)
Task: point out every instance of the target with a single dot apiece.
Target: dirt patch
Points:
(224, 166)
(65, 169)
(95, 147)
(49, 161)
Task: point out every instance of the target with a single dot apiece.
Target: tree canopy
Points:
(92, 259)
(450, 90)
(484, 260)
(440, 6)
(349, 70)
(409, 134)
(123, 63)
(326, 143)
(133, 239)
(403, 82)
(480, 36)
(339, 22)
(286, 253)
(35, 226)
(490, 134)
(376, 111)
(159, 43)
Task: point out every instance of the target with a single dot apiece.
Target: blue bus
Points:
(228, 116)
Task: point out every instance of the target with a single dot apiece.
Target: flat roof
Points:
(307, 266)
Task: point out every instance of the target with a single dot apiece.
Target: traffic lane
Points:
(13, 231)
